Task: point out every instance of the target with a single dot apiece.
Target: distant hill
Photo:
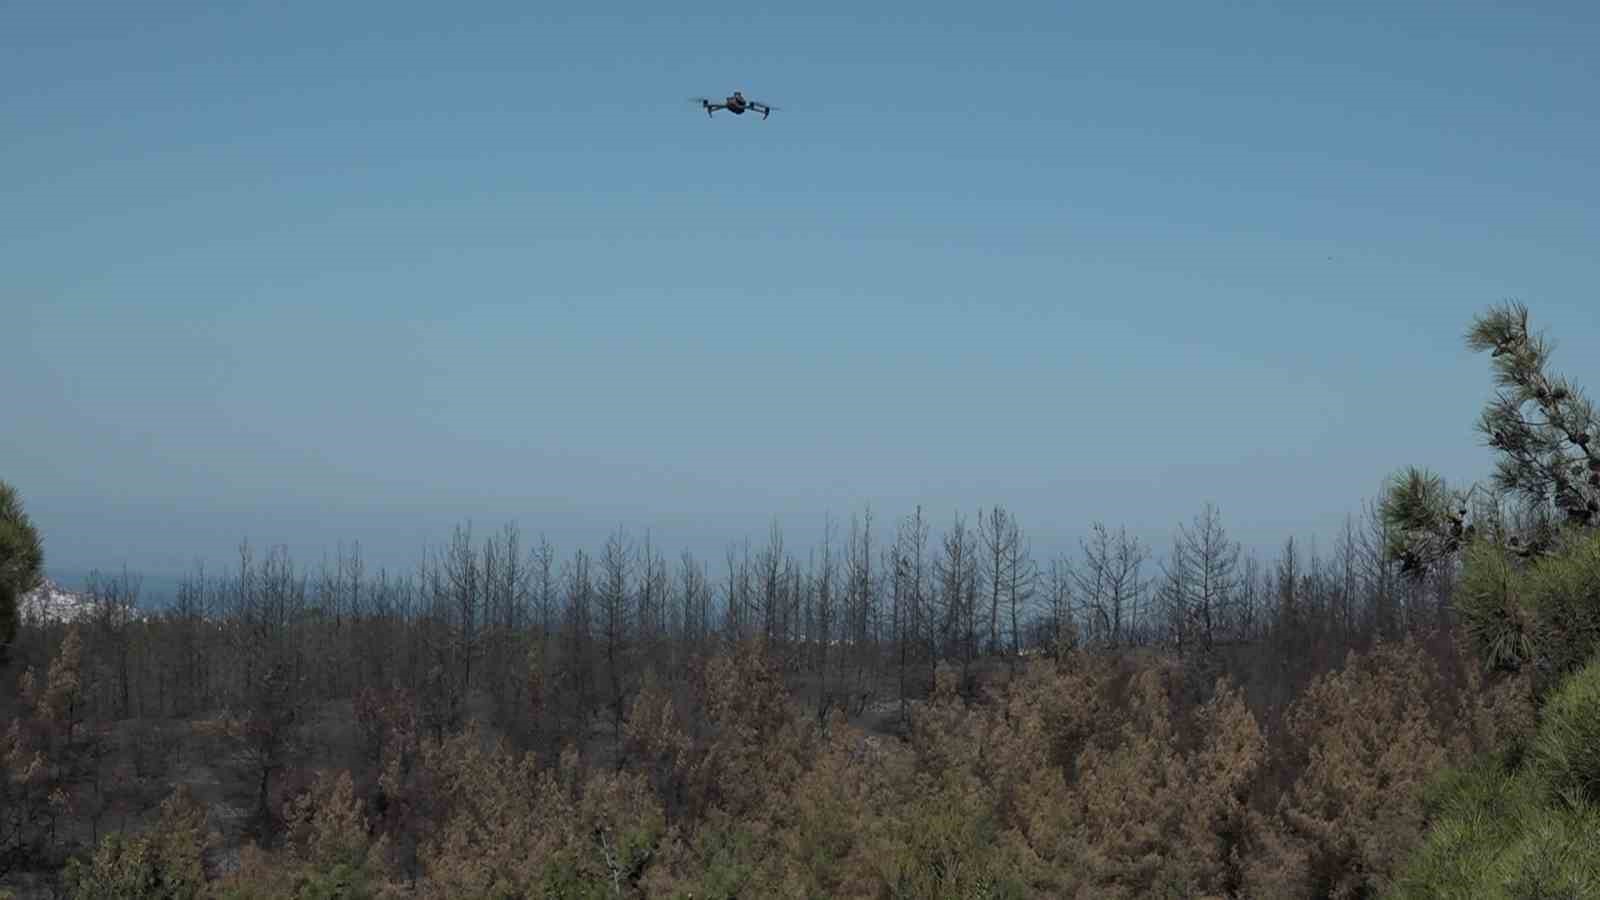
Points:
(52, 603)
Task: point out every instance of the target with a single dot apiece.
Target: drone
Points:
(736, 104)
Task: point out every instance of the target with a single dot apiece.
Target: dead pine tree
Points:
(1200, 582)
(616, 564)
(824, 616)
(955, 573)
(1110, 585)
(994, 532)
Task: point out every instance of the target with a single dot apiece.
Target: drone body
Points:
(737, 104)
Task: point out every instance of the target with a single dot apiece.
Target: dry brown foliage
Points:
(40, 759)
(504, 827)
(167, 860)
(30, 801)
(62, 697)
(1493, 716)
(658, 743)
(837, 817)
(1154, 821)
(756, 743)
(384, 716)
(1086, 775)
(1366, 744)
(327, 825)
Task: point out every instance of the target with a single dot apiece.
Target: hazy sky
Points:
(320, 272)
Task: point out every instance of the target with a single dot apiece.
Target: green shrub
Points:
(163, 863)
(1566, 749)
(1564, 591)
(1478, 813)
(283, 879)
(1547, 612)
(1526, 832)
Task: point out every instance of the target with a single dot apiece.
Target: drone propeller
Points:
(709, 104)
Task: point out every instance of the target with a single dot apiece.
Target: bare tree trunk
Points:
(993, 531)
(616, 561)
(825, 616)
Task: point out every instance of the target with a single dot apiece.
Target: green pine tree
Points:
(1547, 438)
(1543, 427)
(1523, 821)
(1526, 545)
(21, 562)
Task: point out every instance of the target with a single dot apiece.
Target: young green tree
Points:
(1521, 822)
(1547, 437)
(165, 861)
(1527, 592)
(21, 562)
(1543, 426)
(1509, 827)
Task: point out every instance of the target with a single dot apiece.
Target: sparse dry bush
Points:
(403, 798)
(1029, 785)
(492, 816)
(505, 828)
(945, 733)
(383, 716)
(265, 732)
(1129, 802)
(42, 759)
(164, 863)
(1366, 745)
(328, 850)
(657, 743)
(973, 799)
(31, 802)
(721, 858)
(618, 815)
(1073, 696)
(1079, 805)
(61, 699)
(1495, 716)
(1216, 828)
(757, 742)
(327, 826)
(1085, 775)
(838, 815)
(944, 838)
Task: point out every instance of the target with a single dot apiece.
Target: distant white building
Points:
(50, 603)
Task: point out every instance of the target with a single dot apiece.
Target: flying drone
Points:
(736, 104)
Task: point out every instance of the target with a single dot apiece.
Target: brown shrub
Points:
(1499, 716)
(165, 861)
(836, 813)
(327, 825)
(1365, 741)
(758, 741)
(1129, 801)
(658, 744)
(510, 829)
(1216, 827)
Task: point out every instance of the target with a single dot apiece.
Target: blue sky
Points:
(308, 273)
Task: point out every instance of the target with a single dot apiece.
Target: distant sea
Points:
(156, 592)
